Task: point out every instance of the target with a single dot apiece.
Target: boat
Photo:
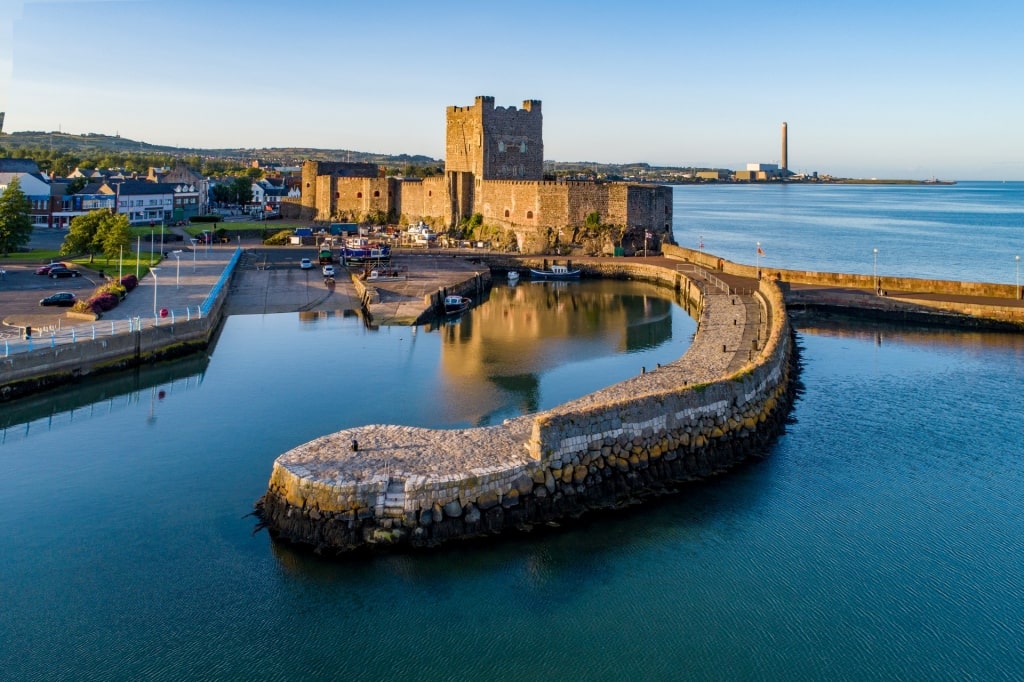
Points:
(358, 250)
(556, 272)
(455, 304)
(513, 276)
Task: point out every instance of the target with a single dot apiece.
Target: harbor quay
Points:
(387, 486)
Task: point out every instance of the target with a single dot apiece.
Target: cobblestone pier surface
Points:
(385, 485)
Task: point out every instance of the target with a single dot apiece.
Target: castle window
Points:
(307, 185)
(430, 193)
(529, 215)
(337, 195)
(359, 195)
(506, 212)
(501, 146)
(522, 148)
(376, 193)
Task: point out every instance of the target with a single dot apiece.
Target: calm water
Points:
(881, 540)
(969, 231)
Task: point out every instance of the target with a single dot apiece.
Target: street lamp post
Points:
(152, 239)
(874, 272)
(177, 273)
(138, 253)
(194, 242)
(1016, 292)
(152, 271)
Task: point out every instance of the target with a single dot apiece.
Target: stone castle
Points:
(494, 166)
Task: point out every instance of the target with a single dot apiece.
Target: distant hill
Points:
(92, 144)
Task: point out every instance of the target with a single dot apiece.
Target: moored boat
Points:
(556, 272)
(455, 304)
(513, 276)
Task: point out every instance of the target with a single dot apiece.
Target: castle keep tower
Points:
(484, 142)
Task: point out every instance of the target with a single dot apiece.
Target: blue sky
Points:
(869, 89)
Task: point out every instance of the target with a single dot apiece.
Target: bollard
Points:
(94, 332)
(53, 339)
(73, 335)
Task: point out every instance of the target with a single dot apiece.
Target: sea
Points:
(880, 538)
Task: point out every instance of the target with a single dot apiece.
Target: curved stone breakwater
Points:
(382, 486)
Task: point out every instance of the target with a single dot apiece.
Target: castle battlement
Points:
(494, 165)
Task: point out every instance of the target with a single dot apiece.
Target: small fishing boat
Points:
(556, 272)
(513, 276)
(454, 304)
(358, 250)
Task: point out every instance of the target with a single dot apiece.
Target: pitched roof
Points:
(18, 166)
(136, 187)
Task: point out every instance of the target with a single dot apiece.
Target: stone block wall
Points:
(637, 437)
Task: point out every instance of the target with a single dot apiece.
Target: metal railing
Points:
(90, 331)
(703, 274)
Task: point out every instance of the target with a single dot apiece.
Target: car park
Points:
(61, 298)
(61, 271)
(306, 264)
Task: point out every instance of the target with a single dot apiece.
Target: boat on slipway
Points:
(455, 304)
(556, 272)
(357, 251)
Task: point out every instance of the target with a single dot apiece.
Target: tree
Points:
(85, 235)
(15, 222)
(116, 234)
(222, 193)
(242, 190)
(77, 185)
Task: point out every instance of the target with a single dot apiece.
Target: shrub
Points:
(102, 302)
(82, 306)
(129, 282)
(281, 238)
(113, 288)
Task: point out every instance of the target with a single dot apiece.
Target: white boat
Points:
(513, 276)
(454, 304)
(556, 272)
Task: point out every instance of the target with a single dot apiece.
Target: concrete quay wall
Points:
(382, 486)
(838, 279)
(22, 374)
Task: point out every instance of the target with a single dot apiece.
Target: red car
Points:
(45, 269)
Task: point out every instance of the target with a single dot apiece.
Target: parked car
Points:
(61, 271)
(306, 264)
(62, 298)
(45, 269)
(328, 271)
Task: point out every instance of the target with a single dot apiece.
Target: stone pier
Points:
(723, 401)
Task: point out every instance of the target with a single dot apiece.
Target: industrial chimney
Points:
(785, 153)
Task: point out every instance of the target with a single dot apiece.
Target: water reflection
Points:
(524, 332)
(101, 396)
